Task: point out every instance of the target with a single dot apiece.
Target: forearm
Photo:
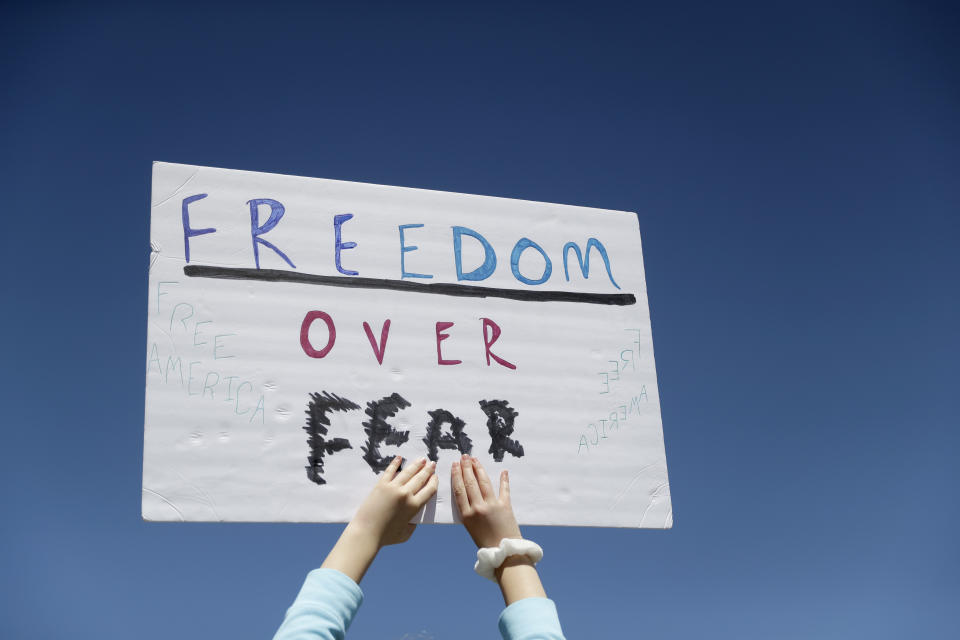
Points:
(323, 609)
(529, 614)
(518, 579)
(353, 553)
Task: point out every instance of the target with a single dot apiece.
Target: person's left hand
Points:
(385, 513)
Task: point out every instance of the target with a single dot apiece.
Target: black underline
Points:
(442, 288)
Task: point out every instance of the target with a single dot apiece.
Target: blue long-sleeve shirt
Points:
(328, 601)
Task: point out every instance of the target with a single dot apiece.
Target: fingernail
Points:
(466, 457)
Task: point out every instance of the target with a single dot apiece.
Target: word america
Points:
(405, 283)
(500, 420)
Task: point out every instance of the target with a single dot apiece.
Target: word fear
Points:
(500, 424)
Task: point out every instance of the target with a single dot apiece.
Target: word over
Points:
(491, 333)
(500, 422)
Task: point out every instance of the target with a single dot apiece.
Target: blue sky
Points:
(794, 166)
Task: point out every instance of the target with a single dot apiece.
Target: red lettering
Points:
(378, 352)
(305, 334)
(488, 341)
(441, 327)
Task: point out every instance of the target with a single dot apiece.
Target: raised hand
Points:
(397, 497)
(488, 517)
(384, 516)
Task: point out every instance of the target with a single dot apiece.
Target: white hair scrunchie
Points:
(490, 558)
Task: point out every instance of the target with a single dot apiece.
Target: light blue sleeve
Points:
(531, 619)
(323, 609)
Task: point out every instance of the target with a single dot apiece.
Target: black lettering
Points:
(436, 439)
(379, 431)
(500, 419)
(318, 419)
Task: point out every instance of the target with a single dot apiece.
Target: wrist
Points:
(361, 538)
(492, 539)
(489, 559)
(353, 553)
(511, 562)
(518, 580)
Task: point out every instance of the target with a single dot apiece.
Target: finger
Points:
(486, 488)
(505, 486)
(470, 481)
(408, 472)
(428, 490)
(459, 490)
(420, 479)
(391, 470)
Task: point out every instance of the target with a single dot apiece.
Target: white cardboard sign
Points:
(301, 332)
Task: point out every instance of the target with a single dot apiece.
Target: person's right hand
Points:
(398, 495)
(487, 517)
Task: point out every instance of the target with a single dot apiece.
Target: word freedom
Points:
(486, 269)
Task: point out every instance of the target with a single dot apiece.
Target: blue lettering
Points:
(236, 406)
(190, 377)
(187, 231)
(338, 221)
(276, 212)
(584, 259)
(217, 346)
(489, 261)
(404, 249)
(154, 357)
(258, 409)
(522, 245)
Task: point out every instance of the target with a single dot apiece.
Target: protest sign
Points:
(301, 332)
